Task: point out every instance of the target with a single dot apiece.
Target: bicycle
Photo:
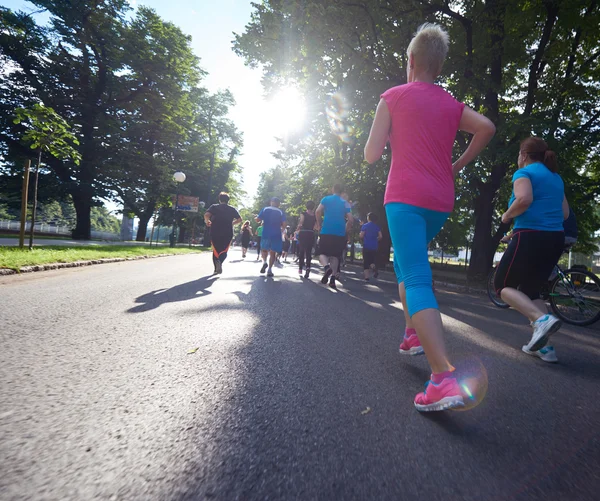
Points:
(573, 294)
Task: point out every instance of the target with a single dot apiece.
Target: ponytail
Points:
(550, 161)
(536, 149)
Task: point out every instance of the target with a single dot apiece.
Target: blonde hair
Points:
(429, 47)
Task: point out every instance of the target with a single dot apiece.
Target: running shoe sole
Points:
(544, 336)
(264, 268)
(550, 360)
(415, 350)
(444, 404)
(326, 277)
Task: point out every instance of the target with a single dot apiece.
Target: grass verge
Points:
(14, 258)
(37, 237)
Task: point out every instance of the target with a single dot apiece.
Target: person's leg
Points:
(264, 254)
(410, 228)
(258, 253)
(301, 257)
(407, 319)
(521, 302)
(272, 257)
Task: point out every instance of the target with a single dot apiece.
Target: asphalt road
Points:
(100, 399)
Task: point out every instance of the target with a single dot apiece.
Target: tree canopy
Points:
(531, 67)
(128, 83)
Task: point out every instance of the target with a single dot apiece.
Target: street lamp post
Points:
(178, 177)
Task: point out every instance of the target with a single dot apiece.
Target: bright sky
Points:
(211, 24)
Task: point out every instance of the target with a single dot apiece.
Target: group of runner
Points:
(420, 120)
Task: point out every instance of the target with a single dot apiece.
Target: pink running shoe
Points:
(411, 345)
(440, 397)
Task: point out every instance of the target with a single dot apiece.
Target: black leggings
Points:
(220, 247)
(306, 240)
(529, 260)
(258, 239)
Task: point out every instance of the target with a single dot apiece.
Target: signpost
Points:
(186, 204)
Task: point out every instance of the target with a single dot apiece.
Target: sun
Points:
(287, 110)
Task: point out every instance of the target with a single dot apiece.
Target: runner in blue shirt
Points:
(370, 234)
(332, 242)
(273, 219)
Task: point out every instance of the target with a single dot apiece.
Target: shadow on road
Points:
(181, 292)
(322, 406)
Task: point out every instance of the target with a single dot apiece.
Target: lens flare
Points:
(288, 110)
(337, 111)
(473, 380)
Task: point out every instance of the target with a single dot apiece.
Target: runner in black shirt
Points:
(306, 236)
(221, 217)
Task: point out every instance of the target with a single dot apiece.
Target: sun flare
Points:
(287, 110)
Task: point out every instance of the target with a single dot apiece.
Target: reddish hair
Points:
(537, 150)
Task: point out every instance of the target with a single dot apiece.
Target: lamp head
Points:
(179, 177)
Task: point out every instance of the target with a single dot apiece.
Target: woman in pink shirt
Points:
(420, 120)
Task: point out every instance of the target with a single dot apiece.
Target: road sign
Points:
(187, 204)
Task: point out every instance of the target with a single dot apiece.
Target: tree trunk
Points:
(181, 233)
(83, 208)
(484, 244)
(142, 227)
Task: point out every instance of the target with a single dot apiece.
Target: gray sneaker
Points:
(547, 354)
(543, 328)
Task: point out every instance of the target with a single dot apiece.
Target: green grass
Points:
(36, 237)
(14, 258)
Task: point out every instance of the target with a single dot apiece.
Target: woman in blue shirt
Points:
(538, 207)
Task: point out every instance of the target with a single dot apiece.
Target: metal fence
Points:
(53, 229)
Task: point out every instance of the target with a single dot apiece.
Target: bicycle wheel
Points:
(491, 290)
(575, 297)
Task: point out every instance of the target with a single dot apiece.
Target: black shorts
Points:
(332, 245)
(529, 261)
(369, 258)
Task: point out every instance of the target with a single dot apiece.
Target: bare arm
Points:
(237, 221)
(319, 213)
(207, 216)
(380, 131)
(565, 208)
(482, 129)
(300, 221)
(379, 236)
(361, 235)
(349, 221)
(523, 198)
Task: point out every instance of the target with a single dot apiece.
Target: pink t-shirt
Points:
(425, 120)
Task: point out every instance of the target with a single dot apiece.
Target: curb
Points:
(78, 264)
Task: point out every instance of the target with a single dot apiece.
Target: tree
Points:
(46, 132)
(129, 85)
(531, 67)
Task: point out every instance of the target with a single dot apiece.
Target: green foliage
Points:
(6, 214)
(129, 85)
(48, 132)
(102, 220)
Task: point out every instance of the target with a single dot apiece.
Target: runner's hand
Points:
(506, 238)
(506, 219)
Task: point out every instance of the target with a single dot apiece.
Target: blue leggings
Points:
(411, 229)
